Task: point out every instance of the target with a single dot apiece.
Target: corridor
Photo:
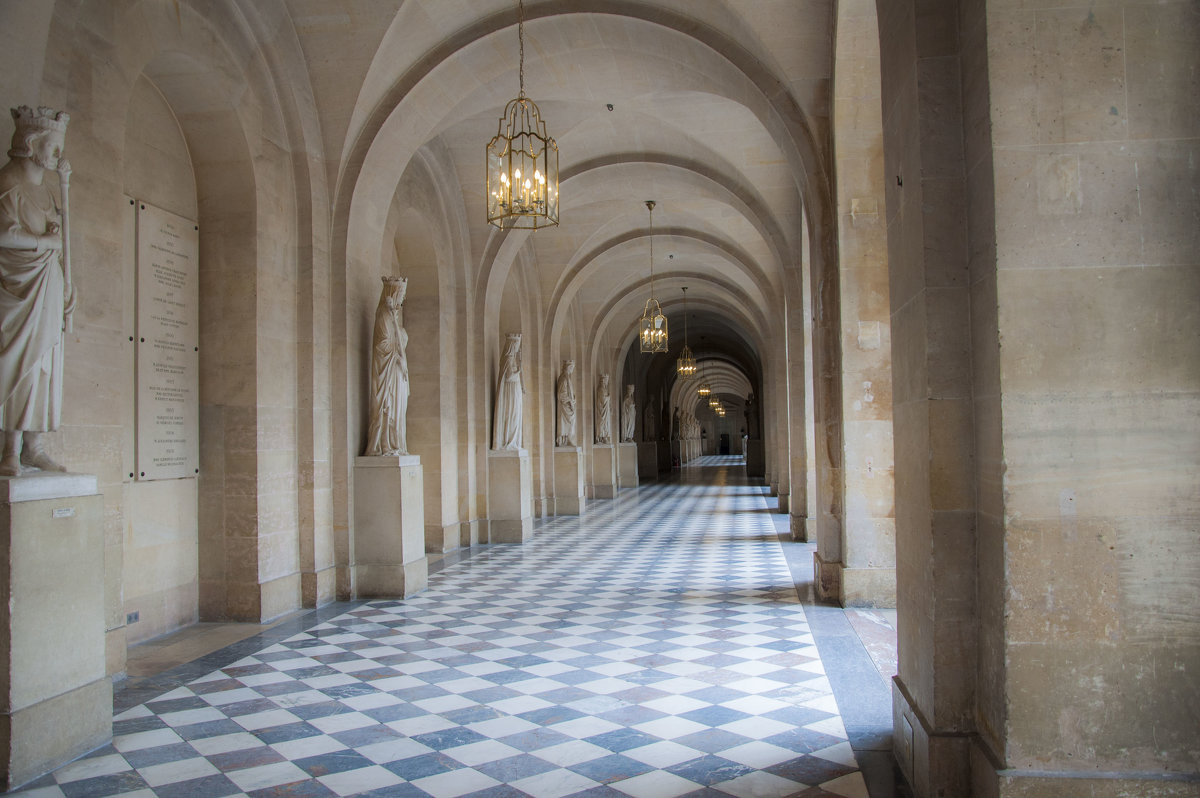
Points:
(655, 647)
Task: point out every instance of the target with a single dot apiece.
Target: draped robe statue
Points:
(389, 373)
(509, 395)
(628, 415)
(603, 412)
(565, 400)
(37, 295)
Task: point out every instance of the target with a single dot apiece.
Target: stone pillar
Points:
(647, 460)
(604, 471)
(627, 465)
(389, 527)
(57, 703)
(665, 451)
(510, 496)
(569, 495)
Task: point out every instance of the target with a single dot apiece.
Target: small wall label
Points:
(63, 512)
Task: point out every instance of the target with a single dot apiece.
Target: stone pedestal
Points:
(58, 701)
(604, 471)
(510, 496)
(756, 458)
(569, 496)
(627, 465)
(647, 461)
(389, 527)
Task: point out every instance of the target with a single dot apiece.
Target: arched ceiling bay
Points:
(717, 114)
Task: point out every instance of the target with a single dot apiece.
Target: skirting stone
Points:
(392, 581)
(50, 733)
(803, 529)
(510, 531)
(441, 539)
(319, 588)
(933, 763)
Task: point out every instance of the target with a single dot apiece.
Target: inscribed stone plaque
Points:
(168, 336)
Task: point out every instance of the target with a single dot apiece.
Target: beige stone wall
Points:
(1096, 129)
(160, 573)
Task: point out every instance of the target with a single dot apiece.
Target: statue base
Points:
(510, 496)
(569, 495)
(647, 460)
(57, 703)
(389, 527)
(627, 464)
(604, 471)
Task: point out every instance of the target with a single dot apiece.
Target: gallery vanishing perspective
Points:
(286, 324)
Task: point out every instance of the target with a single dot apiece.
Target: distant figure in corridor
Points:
(509, 395)
(389, 373)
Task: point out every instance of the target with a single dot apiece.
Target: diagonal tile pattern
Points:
(654, 648)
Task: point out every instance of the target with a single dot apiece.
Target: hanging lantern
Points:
(686, 365)
(652, 328)
(522, 161)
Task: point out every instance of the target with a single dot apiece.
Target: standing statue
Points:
(628, 415)
(603, 412)
(675, 425)
(389, 373)
(566, 405)
(37, 295)
(509, 395)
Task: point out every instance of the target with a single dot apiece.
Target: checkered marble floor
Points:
(653, 648)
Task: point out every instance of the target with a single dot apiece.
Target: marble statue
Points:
(675, 425)
(37, 295)
(628, 415)
(509, 396)
(389, 373)
(603, 412)
(565, 400)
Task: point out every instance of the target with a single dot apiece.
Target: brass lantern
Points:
(652, 329)
(522, 162)
(686, 365)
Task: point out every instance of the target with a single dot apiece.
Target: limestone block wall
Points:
(1096, 132)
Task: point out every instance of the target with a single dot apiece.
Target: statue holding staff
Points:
(628, 415)
(37, 295)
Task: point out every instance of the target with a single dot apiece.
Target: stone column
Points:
(389, 527)
(57, 701)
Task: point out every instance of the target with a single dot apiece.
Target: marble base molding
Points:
(569, 495)
(57, 703)
(389, 527)
(510, 496)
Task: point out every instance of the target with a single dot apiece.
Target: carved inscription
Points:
(168, 335)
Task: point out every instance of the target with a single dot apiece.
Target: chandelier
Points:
(653, 325)
(522, 161)
(686, 366)
(704, 389)
(714, 401)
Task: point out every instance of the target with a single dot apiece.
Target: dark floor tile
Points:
(100, 786)
(287, 731)
(246, 758)
(160, 754)
(709, 770)
(210, 787)
(335, 762)
(623, 739)
(514, 768)
(711, 741)
(535, 739)
(449, 738)
(367, 735)
(418, 767)
(714, 716)
(548, 716)
(810, 770)
(803, 741)
(608, 769)
(212, 728)
(297, 789)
